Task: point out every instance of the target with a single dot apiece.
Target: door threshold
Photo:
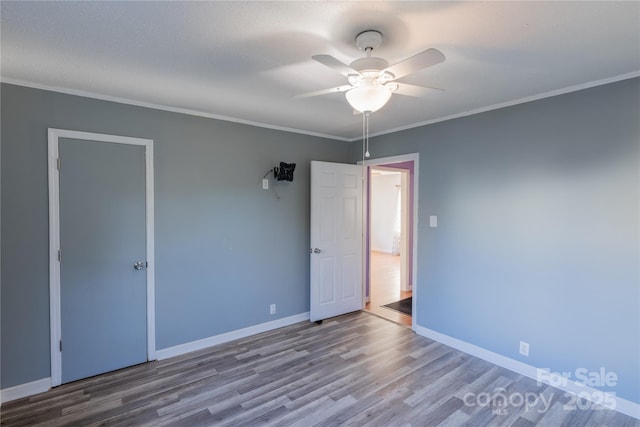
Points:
(397, 322)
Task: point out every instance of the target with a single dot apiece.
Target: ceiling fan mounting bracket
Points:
(368, 40)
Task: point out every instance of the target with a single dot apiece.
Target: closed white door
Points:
(336, 239)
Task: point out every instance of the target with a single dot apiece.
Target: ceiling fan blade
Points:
(413, 90)
(334, 64)
(324, 91)
(421, 60)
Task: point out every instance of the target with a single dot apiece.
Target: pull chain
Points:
(366, 133)
(364, 139)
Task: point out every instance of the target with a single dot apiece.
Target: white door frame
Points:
(54, 239)
(415, 157)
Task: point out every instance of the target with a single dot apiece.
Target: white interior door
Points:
(336, 239)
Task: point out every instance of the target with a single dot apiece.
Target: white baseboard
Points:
(24, 390)
(40, 386)
(621, 405)
(181, 349)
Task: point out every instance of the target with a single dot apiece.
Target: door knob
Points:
(138, 265)
(316, 251)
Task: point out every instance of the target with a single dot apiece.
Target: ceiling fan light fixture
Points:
(368, 98)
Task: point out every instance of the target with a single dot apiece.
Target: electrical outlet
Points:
(265, 184)
(272, 309)
(524, 348)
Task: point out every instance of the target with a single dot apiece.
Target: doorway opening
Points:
(390, 241)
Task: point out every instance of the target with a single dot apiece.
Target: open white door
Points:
(336, 239)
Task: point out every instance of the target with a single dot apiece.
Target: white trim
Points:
(523, 100)
(185, 348)
(54, 238)
(151, 253)
(621, 405)
(25, 390)
(54, 265)
(197, 113)
(45, 384)
(127, 101)
(415, 158)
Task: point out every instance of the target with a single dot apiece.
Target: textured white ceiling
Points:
(247, 60)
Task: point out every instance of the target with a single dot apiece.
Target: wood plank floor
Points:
(385, 287)
(352, 370)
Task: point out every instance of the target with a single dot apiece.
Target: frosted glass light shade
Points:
(368, 98)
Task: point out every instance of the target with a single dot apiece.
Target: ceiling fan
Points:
(371, 80)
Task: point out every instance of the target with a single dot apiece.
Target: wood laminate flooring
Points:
(384, 279)
(352, 370)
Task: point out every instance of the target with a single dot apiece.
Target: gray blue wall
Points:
(537, 238)
(225, 248)
(538, 235)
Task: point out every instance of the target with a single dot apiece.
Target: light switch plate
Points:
(433, 221)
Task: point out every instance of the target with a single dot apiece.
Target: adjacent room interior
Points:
(389, 250)
(207, 207)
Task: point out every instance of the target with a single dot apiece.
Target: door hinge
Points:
(60, 346)
(58, 163)
(146, 264)
(59, 256)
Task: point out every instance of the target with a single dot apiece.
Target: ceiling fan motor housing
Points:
(370, 63)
